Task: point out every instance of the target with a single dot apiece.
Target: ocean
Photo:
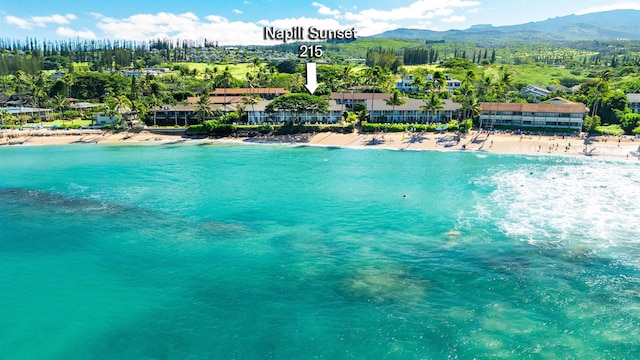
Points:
(230, 251)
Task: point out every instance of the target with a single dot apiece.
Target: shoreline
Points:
(605, 147)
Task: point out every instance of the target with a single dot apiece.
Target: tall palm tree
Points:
(395, 99)
(20, 81)
(418, 83)
(204, 107)
(225, 78)
(61, 103)
(373, 77)
(431, 104)
(121, 104)
(601, 87)
(439, 80)
(505, 83)
(466, 97)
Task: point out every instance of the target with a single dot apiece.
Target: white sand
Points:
(604, 147)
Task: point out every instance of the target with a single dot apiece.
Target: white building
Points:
(412, 112)
(535, 91)
(557, 113)
(257, 114)
(633, 101)
(407, 84)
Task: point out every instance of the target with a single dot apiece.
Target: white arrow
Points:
(311, 84)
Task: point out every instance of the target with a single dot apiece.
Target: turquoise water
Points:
(254, 252)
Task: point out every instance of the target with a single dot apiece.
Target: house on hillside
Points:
(633, 101)
(16, 100)
(535, 91)
(557, 113)
(407, 84)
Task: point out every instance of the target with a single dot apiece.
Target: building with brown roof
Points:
(556, 113)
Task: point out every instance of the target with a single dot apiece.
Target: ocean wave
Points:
(593, 204)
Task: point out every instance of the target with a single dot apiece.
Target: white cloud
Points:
(39, 21)
(70, 33)
(21, 23)
(628, 5)
(237, 11)
(454, 19)
(42, 21)
(416, 10)
(325, 10)
(181, 26)
(374, 21)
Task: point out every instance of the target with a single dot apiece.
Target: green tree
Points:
(505, 84)
(591, 124)
(630, 121)
(418, 83)
(122, 106)
(600, 88)
(4, 116)
(298, 103)
(395, 99)
(203, 107)
(432, 103)
(62, 104)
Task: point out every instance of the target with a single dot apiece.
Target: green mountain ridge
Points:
(608, 25)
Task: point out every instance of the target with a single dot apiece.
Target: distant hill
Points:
(608, 25)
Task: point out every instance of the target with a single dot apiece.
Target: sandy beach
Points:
(625, 148)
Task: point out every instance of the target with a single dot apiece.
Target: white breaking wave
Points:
(594, 203)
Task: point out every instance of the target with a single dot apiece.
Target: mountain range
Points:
(608, 25)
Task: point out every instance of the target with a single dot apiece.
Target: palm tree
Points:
(252, 101)
(466, 97)
(485, 87)
(418, 83)
(373, 77)
(225, 78)
(255, 61)
(395, 99)
(152, 103)
(208, 79)
(4, 115)
(120, 104)
(61, 103)
(204, 107)
(112, 113)
(431, 104)
(20, 81)
(505, 83)
(601, 87)
(439, 80)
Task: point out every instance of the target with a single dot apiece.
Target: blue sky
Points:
(241, 22)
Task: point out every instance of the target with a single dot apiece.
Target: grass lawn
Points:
(238, 71)
(533, 74)
(59, 123)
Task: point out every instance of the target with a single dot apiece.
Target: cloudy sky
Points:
(241, 22)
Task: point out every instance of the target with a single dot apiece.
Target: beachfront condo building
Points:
(557, 113)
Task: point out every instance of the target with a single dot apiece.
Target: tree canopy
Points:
(298, 103)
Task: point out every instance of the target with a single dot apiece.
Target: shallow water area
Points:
(244, 251)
